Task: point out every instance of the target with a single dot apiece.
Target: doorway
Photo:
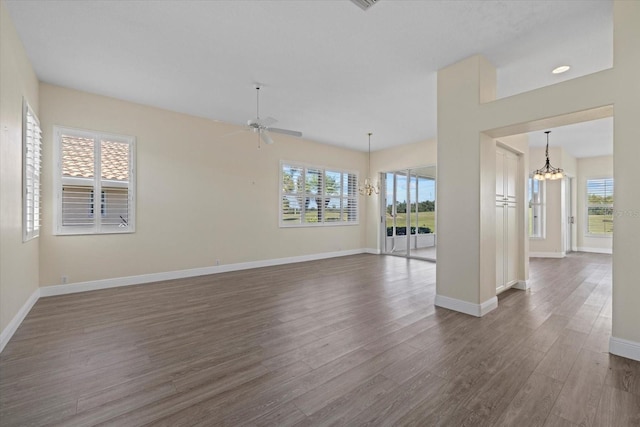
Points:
(408, 212)
(569, 215)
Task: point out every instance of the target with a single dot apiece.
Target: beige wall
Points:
(465, 185)
(200, 197)
(18, 260)
(406, 156)
(592, 167)
(626, 152)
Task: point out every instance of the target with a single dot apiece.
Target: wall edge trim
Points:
(624, 348)
(596, 250)
(477, 310)
(522, 285)
(92, 285)
(13, 325)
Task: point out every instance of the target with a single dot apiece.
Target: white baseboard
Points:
(12, 327)
(477, 310)
(522, 285)
(547, 254)
(596, 250)
(372, 251)
(624, 348)
(52, 290)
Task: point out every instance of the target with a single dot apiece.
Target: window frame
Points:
(323, 195)
(31, 176)
(587, 205)
(543, 207)
(97, 183)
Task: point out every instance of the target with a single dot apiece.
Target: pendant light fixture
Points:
(548, 171)
(368, 188)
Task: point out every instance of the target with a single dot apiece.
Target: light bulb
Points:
(547, 175)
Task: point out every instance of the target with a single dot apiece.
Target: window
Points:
(91, 164)
(536, 208)
(31, 161)
(312, 196)
(600, 207)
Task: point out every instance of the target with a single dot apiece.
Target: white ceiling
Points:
(328, 68)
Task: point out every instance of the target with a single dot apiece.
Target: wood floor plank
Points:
(561, 356)
(556, 421)
(581, 392)
(323, 394)
(282, 416)
(495, 395)
(618, 408)
(349, 341)
(343, 408)
(624, 374)
(532, 403)
(393, 406)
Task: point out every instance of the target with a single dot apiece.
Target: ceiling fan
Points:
(262, 127)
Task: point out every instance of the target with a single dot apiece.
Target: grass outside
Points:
(425, 219)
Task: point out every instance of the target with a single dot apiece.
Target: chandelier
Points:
(548, 171)
(368, 188)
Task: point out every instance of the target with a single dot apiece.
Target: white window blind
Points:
(312, 196)
(31, 163)
(96, 182)
(600, 207)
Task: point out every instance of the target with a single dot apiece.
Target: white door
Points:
(511, 257)
(507, 222)
(500, 247)
(570, 218)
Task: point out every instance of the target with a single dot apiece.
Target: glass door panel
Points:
(409, 210)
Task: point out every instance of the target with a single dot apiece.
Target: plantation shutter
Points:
(96, 183)
(292, 200)
(314, 196)
(32, 146)
(350, 199)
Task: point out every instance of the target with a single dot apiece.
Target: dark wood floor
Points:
(347, 341)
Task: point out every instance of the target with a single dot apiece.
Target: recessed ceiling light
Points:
(561, 69)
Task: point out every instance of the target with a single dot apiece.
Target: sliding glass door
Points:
(409, 211)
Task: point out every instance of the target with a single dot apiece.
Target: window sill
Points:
(91, 233)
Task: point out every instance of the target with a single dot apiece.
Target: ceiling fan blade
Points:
(266, 122)
(266, 137)
(285, 132)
